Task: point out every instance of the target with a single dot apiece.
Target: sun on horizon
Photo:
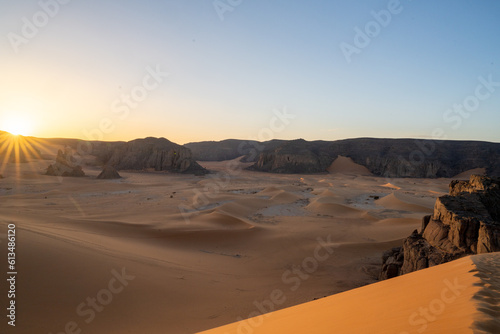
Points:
(16, 125)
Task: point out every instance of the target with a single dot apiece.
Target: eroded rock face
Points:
(231, 149)
(64, 166)
(463, 223)
(158, 154)
(296, 156)
(384, 157)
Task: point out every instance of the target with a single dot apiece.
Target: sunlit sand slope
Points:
(457, 297)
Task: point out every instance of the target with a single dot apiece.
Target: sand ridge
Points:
(441, 299)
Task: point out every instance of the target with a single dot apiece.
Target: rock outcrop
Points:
(109, 173)
(64, 166)
(467, 221)
(384, 157)
(158, 154)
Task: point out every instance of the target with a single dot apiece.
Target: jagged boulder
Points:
(64, 166)
(393, 261)
(463, 223)
(109, 173)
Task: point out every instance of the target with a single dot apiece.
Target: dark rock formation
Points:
(158, 154)
(64, 166)
(231, 149)
(109, 173)
(465, 222)
(297, 156)
(384, 157)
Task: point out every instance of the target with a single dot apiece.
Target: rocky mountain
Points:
(467, 221)
(231, 149)
(384, 157)
(158, 154)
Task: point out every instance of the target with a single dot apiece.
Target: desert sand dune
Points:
(334, 209)
(466, 175)
(345, 165)
(269, 191)
(399, 221)
(326, 197)
(217, 219)
(284, 197)
(487, 298)
(440, 299)
(390, 185)
(396, 201)
(322, 192)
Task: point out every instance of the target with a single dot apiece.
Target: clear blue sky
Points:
(227, 77)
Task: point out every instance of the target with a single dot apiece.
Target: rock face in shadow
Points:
(384, 157)
(158, 154)
(109, 173)
(231, 149)
(465, 222)
(64, 166)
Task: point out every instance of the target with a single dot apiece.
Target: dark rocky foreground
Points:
(465, 222)
(384, 157)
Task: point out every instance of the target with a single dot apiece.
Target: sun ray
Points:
(41, 145)
(17, 150)
(9, 144)
(29, 152)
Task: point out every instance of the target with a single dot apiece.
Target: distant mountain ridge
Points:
(384, 157)
(158, 154)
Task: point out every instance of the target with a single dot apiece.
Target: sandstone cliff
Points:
(467, 221)
(231, 149)
(158, 154)
(384, 157)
